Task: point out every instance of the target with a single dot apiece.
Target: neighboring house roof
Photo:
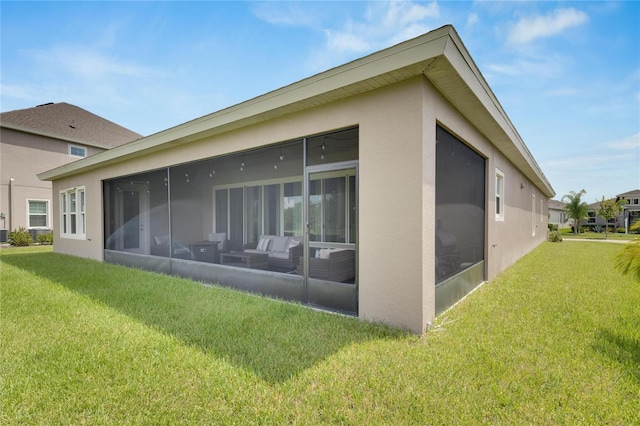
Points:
(594, 206)
(68, 122)
(631, 194)
(556, 205)
(439, 55)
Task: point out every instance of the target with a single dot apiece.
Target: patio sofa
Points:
(160, 247)
(337, 265)
(284, 252)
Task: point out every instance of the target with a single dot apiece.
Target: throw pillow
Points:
(263, 244)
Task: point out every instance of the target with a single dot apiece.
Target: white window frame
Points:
(47, 214)
(73, 219)
(499, 190)
(84, 149)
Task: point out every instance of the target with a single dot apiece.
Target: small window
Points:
(499, 195)
(38, 213)
(77, 151)
(72, 213)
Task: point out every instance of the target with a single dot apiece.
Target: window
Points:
(38, 213)
(499, 195)
(73, 213)
(77, 151)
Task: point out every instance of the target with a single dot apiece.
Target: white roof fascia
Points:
(408, 53)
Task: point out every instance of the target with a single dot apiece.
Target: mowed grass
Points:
(553, 340)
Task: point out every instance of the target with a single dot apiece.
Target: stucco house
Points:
(631, 211)
(386, 188)
(558, 214)
(34, 140)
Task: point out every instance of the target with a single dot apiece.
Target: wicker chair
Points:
(338, 265)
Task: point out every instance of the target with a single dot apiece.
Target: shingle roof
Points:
(634, 193)
(557, 205)
(68, 122)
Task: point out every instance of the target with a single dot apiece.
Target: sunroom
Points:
(239, 220)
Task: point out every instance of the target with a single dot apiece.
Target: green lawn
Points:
(553, 340)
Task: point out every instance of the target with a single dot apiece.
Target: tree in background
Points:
(576, 208)
(610, 209)
(628, 260)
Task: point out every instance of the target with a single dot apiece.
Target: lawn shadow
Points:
(624, 350)
(273, 339)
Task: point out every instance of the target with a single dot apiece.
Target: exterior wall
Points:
(397, 128)
(22, 157)
(391, 157)
(505, 241)
(556, 216)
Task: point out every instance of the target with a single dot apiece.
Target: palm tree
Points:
(610, 209)
(628, 260)
(576, 208)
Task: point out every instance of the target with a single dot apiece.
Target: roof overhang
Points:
(438, 55)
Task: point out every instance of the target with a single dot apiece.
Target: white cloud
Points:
(533, 27)
(472, 19)
(544, 67)
(383, 24)
(631, 143)
(562, 91)
(285, 13)
(88, 64)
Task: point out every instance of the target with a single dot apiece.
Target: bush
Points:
(620, 230)
(45, 239)
(555, 237)
(20, 237)
(552, 226)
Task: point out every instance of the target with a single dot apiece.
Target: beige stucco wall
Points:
(22, 157)
(396, 192)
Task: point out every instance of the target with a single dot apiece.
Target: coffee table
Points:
(204, 251)
(245, 260)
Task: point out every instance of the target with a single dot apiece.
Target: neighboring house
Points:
(594, 221)
(631, 212)
(386, 188)
(558, 215)
(36, 139)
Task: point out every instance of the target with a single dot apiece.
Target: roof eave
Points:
(419, 56)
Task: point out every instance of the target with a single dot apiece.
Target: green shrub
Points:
(555, 237)
(620, 230)
(20, 237)
(552, 226)
(45, 239)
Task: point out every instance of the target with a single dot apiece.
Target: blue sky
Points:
(567, 73)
